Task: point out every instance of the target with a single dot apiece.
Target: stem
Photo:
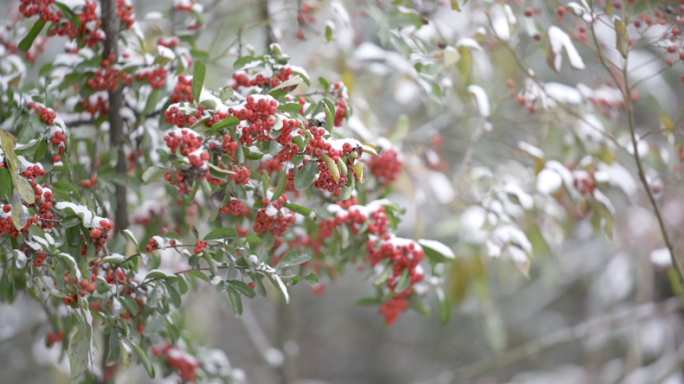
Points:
(284, 335)
(642, 176)
(266, 16)
(117, 139)
(627, 96)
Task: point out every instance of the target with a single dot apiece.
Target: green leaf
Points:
(40, 151)
(455, 6)
(114, 348)
(329, 109)
(71, 221)
(280, 286)
(173, 294)
(253, 239)
(436, 251)
(312, 278)
(130, 304)
(294, 80)
(79, 350)
(153, 174)
(228, 122)
(299, 209)
(199, 274)
(172, 235)
(132, 238)
(404, 282)
(5, 184)
(294, 257)
(27, 42)
(243, 61)
(328, 33)
(143, 359)
(402, 129)
(183, 285)
(222, 233)
(292, 108)
(435, 90)
(236, 301)
(444, 306)
(69, 13)
(368, 301)
(26, 133)
(324, 83)
(305, 176)
(152, 101)
(280, 188)
(243, 288)
(198, 79)
(419, 306)
(226, 93)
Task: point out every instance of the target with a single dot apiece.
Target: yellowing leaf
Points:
(332, 167)
(348, 80)
(622, 37)
(465, 62)
(451, 56)
(665, 120)
(8, 143)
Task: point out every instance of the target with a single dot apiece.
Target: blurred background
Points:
(581, 305)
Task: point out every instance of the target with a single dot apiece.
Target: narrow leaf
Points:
(198, 79)
(27, 42)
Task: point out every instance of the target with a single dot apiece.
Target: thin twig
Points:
(627, 96)
(608, 322)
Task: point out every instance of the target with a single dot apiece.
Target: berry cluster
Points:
(234, 207)
(7, 223)
(47, 115)
(100, 106)
(183, 90)
(53, 338)
(200, 245)
(40, 259)
(30, 8)
(228, 146)
(241, 175)
(125, 12)
(326, 181)
(169, 42)
(184, 364)
(152, 246)
(109, 79)
(176, 117)
(99, 234)
(87, 286)
(272, 217)
(387, 167)
(156, 77)
(46, 202)
(112, 277)
(89, 183)
(393, 308)
(404, 255)
(187, 141)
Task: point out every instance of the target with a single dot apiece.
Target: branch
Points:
(609, 322)
(627, 96)
(117, 139)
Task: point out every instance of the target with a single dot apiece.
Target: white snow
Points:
(560, 40)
